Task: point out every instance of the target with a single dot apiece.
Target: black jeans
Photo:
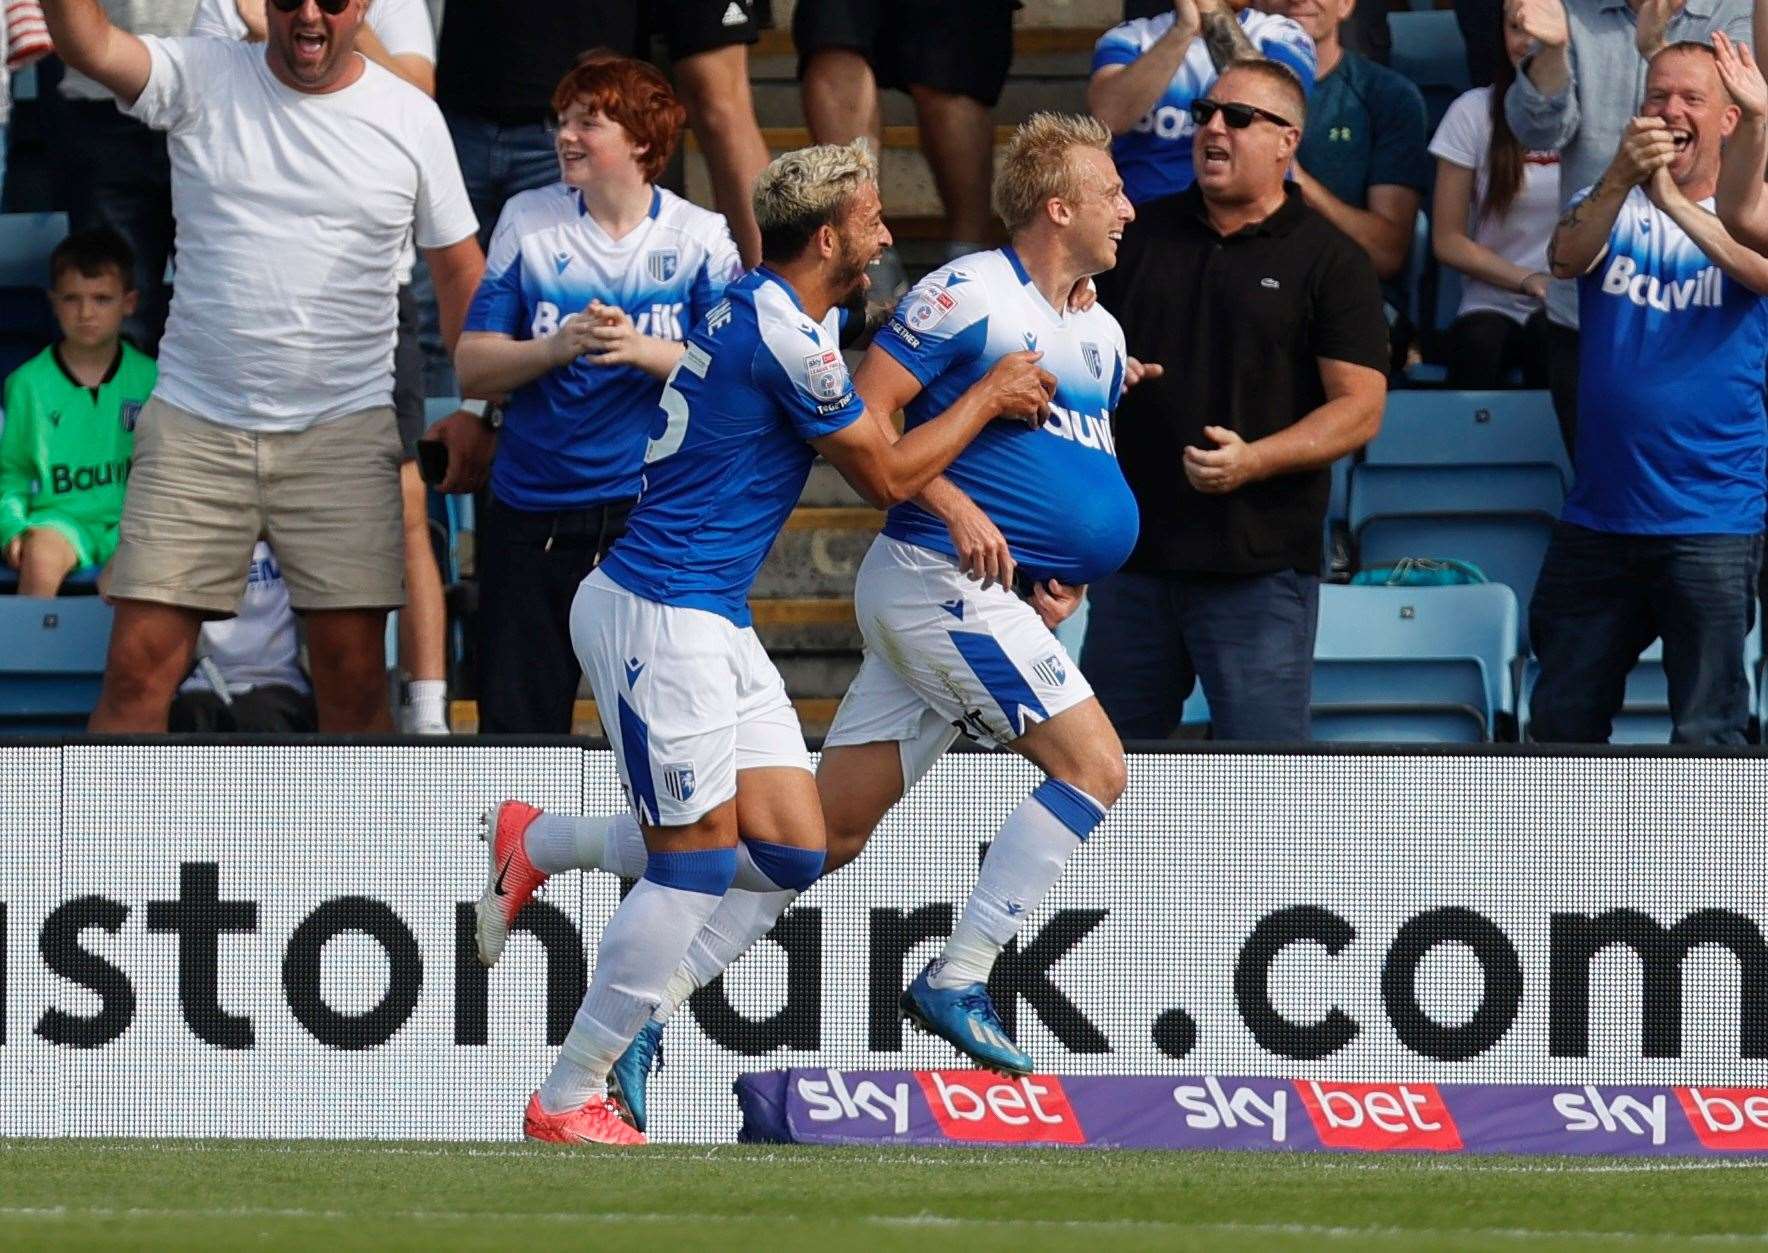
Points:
(1485, 346)
(117, 174)
(1562, 379)
(529, 567)
(1602, 598)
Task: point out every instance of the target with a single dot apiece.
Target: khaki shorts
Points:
(202, 494)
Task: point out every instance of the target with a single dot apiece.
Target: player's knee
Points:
(846, 842)
(705, 870)
(1101, 775)
(785, 865)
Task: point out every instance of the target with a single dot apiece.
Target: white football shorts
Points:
(687, 698)
(944, 658)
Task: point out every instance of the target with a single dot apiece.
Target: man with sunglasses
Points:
(1268, 322)
(299, 169)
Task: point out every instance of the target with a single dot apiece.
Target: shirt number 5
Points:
(675, 406)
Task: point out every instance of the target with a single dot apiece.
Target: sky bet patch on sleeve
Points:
(826, 374)
(929, 310)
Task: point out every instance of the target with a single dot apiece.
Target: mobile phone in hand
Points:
(432, 461)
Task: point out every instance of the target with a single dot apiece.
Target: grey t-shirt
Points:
(138, 17)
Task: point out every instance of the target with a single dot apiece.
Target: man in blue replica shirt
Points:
(1146, 73)
(1661, 535)
(593, 283)
(696, 714)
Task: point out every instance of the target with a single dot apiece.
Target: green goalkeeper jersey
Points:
(65, 449)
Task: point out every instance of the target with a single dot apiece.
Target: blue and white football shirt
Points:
(1154, 156)
(728, 454)
(1671, 437)
(575, 437)
(1056, 492)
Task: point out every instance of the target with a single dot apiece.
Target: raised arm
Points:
(1121, 95)
(1740, 264)
(86, 40)
(887, 473)
(1743, 207)
(1224, 36)
(1542, 104)
(419, 71)
(1581, 237)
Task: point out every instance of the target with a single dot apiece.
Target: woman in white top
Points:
(1495, 209)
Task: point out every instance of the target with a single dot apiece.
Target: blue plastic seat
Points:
(51, 662)
(1414, 663)
(1500, 518)
(1428, 50)
(1428, 428)
(26, 240)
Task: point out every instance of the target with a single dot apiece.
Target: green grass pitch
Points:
(336, 1197)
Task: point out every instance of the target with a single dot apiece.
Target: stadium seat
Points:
(1428, 50)
(1414, 663)
(26, 240)
(1500, 518)
(27, 325)
(51, 662)
(1644, 717)
(1424, 428)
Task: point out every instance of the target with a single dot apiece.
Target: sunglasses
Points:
(1237, 116)
(331, 8)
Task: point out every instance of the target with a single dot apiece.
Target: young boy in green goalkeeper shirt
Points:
(70, 419)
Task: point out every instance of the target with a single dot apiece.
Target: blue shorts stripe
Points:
(635, 750)
(708, 871)
(788, 867)
(1070, 806)
(1000, 678)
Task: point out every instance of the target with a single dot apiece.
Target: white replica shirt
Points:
(259, 646)
(292, 211)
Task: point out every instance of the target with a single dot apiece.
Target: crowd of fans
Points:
(536, 163)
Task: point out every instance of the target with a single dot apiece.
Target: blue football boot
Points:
(965, 1018)
(626, 1081)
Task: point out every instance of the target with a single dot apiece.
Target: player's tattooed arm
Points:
(1225, 37)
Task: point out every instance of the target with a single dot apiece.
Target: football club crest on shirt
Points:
(661, 263)
(678, 781)
(127, 414)
(1089, 353)
(929, 310)
(1051, 670)
(827, 375)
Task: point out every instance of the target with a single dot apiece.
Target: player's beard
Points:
(849, 278)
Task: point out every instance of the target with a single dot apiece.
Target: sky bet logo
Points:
(1703, 291)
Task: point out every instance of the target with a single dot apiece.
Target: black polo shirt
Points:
(1239, 322)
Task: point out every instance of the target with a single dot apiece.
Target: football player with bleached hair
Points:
(696, 713)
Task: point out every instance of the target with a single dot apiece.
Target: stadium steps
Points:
(1052, 56)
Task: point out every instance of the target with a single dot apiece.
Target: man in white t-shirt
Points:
(298, 170)
(398, 35)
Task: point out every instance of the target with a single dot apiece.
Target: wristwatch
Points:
(488, 411)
